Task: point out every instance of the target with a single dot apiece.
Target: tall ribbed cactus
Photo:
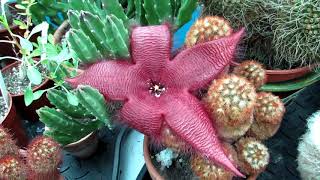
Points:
(67, 123)
(99, 29)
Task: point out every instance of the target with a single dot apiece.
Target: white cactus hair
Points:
(309, 150)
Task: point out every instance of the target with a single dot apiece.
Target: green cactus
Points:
(67, 123)
(99, 29)
(296, 31)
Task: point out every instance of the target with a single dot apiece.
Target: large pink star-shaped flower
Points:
(157, 90)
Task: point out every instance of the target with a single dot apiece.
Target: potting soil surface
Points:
(3, 109)
(16, 84)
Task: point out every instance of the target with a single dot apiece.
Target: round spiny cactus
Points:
(43, 157)
(268, 115)
(172, 141)
(207, 170)
(207, 29)
(12, 168)
(253, 156)
(296, 27)
(231, 100)
(7, 144)
(253, 71)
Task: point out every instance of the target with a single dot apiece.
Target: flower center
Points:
(156, 88)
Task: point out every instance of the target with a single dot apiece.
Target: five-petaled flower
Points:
(157, 90)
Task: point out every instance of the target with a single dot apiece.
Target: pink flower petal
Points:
(188, 119)
(144, 113)
(196, 67)
(151, 47)
(114, 79)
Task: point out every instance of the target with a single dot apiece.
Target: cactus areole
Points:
(157, 90)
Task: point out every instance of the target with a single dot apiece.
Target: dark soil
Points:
(3, 109)
(15, 84)
(180, 168)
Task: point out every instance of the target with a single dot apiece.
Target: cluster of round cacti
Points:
(43, 156)
(207, 170)
(231, 101)
(207, 29)
(7, 144)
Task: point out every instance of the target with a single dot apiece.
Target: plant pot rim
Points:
(284, 71)
(9, 109)
(80, 141)
(147, 158)
(10, 66)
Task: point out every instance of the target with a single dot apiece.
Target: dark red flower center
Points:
(156, 88)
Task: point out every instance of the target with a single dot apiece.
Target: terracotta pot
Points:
(13, 122)
(61, 31)
(147, 158)
(85, 147)
(284, 75)
(29, 112)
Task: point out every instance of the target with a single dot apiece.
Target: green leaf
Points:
(28, 96)
(26, 44)
(37, 95)
(18, 6)
(34, 75)
(21, 24)
(72, 99)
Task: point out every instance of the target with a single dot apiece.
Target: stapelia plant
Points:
(54, 59)
(157, 91)
(68, 123)
(99, 29)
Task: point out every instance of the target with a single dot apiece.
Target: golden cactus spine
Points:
(268, 115)
(207, 29)
(231, 100)
(253, 71)
(253, 156)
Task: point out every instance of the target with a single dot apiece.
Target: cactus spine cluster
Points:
(207, 29)
(231, 100)
(12, 168)
(43, 158)
(7, 144)
(67, 123)
(253, 156)
(309, 149)
(100, 28)
(207, 170)
(298, 44)
(268, 115)
(253, 72)
(280, 34)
